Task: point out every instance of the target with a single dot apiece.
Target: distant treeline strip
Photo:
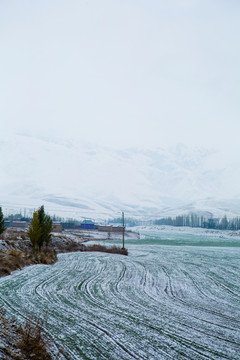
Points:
(196, 221)
(191, 220)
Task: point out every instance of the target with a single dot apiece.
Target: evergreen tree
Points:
(41, 217)
(40, 229)
(46, 227)
(2, 227)
(34, 231)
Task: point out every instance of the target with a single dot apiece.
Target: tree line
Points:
(194, 220)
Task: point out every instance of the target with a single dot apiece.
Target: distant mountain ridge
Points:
(73, 179)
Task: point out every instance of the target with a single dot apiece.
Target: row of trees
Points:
(199, 221)
(192, 220)
(128, 221)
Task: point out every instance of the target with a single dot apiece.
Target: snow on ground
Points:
(187, 230)
(100, 235)
(18, 239)
(163, 301)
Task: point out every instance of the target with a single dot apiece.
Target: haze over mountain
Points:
(75, 179)
(96, 97)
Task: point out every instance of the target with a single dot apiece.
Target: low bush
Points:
(66, 246)
(13, 259)
(14, 235)
(102, 248)
(46, 258)
(25, 342)
(32, 344)
(4, 271)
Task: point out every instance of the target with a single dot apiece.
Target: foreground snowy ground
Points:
(176, 296)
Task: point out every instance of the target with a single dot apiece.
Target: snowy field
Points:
(176, 296)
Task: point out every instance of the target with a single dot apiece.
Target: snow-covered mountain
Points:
(73, 179)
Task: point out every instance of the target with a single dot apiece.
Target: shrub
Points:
(32, 344)
(15, 259)
(4, 271)
(112, 249)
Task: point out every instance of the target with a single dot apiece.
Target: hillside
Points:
(75, 179)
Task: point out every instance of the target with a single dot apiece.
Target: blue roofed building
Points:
(87, 224)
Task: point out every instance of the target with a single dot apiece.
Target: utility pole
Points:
(123, 229)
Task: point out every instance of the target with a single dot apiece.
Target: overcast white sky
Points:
(122, 72)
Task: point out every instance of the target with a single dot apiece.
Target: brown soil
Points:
(23, 342)
(13, 259)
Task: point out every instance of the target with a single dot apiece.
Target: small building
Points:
(105, 228)
(7, 223)
(20, 224)
(117, 229)
(110, 228)
(88, 224)
(57, 227)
